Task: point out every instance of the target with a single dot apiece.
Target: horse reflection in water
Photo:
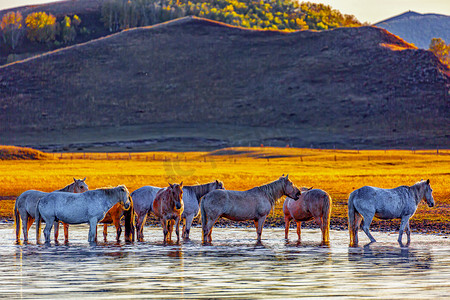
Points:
(312, 204)
(403, 257)
(254, 204)
(398, 203)
(89, 207)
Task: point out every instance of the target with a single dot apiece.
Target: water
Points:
(234, 267)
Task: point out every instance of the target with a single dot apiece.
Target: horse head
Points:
(80, 186)
(218, 185)
(427, 195)
(177, 194)
(290, 189)
(125, 198)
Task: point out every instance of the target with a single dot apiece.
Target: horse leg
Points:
(207, 229)
(140, 227)
(287, 221)
(165, 229)
(118, 228)
(47, 230)
(92, 238)
(260, 223)
(187, 226)
(408, 234)
(56, 230)
(66, 232)
(403, 223)
(105, 232)
(25, 220)
(365, 226)
(177, 229)
(299, 230)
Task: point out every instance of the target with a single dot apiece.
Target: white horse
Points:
(254, 204)
(398, 203)
(192, 194)
(25, 208)
(88, 207)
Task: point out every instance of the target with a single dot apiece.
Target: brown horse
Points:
(114, 216)
(168, 207)
(312, 204)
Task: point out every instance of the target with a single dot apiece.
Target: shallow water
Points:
(233, 267)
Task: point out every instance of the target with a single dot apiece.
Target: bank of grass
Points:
(338, 172)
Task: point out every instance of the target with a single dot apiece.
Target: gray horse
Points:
(192, 194)
(89, 207)
(254, 204)
(25, 208)
(398, 203)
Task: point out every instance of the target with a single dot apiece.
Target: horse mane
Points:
(200, 189)
(418, 188)
(272, 190)
(67, 188)
(111, 191)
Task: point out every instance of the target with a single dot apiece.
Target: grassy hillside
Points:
(417, 28)
(348, 87)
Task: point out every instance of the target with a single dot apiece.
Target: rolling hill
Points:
(198, 84)
(417, 28)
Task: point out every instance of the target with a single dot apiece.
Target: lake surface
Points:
(233, 267)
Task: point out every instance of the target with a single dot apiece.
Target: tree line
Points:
(38, 27)
(285, 15)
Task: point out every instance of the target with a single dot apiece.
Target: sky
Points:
(371, 11)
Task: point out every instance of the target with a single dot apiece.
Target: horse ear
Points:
(181, 184)
(287, 176)
(74, 180)
(84, 179)
(170, 184)
(310, 188)
(428, 181)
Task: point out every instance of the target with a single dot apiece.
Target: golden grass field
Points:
(338, 172)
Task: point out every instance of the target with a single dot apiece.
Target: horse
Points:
(168, 207)
(254, 204)
(398, 203)
(312, 204)
(25, 208)
(88, 207)
(192, 195)
(113, 216)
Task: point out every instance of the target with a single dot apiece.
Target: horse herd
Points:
(76, 204)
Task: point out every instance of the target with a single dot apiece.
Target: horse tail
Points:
(17, 219)
(326, 215)
(204, 220)
(38, 222)
(129, 224)
(352, 226)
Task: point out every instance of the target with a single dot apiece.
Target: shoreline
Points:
(339, 224)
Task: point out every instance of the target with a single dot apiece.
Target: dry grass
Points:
(338, 172)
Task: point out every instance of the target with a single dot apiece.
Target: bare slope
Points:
(349, 87)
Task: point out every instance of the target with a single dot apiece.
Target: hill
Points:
(72, 22)
(193, 83)
(417, 28)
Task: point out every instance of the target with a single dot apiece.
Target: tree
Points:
(11, 28)
(441, 50)
(68, 31)
(41, 27)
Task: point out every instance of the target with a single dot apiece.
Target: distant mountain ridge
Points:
(418, 28)
(348, 87)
